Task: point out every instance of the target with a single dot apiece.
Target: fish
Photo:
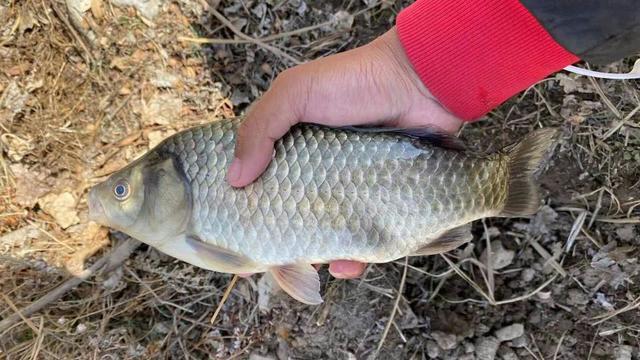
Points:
(354, 193)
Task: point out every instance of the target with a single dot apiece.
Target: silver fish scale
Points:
(334, 194)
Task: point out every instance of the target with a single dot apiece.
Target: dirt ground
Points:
(86, 88)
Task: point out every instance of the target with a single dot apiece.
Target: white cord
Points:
(603, 75)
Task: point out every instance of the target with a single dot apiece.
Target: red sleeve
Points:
(475, 54)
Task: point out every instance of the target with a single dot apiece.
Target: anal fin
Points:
(448, 241)
(301, 281)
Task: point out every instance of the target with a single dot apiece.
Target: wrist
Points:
(415, 105)
(475, 54)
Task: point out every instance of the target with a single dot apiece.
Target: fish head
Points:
(148, 200)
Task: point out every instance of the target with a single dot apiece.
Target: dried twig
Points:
(20, 314)
(302, 30)
(620, 124)
(548, 257)
(88, 56)
(575, 230)
(224, 298)
(106, 264)
(604, 317)
(248, 38)
(395, 306)
(555, 354)
(604, 97)
(489, 264)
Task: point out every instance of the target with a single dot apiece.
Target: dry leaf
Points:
(147, 8)
(164, 79)
(162, 109)
(120, 63)
(30, 185)
(27, 21)
(97, 9)
(155, 137)
(574, 84)
(94, 236)
(18, 70)
(79, 6)
(62, 207)
(576, 111)
(139, 56)
(13, 98)
(17, 147)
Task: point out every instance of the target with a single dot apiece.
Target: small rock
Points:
(534, 317)
(506, 353)
(510, 332)
(350, 355)
(602, 300)
(79, 5)
(62, 207)
(577, 297)
(520, 342)
(343, 20)
(113, 280)
(540, 225)
(283, 349)
(527, 275)
(444, 340)
(162, 109)
(482, 329)
(147, 8)
(239, 97)
(256, 356)
(433, 350)
(163, 79)
(500, 257)
(486, 348)
(622, 352)
(468, 347)
(626, 232)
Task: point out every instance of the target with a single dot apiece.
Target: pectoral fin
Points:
(301, 281)
(450, 240)
(208, 256)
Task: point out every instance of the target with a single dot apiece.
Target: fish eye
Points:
(121, 190)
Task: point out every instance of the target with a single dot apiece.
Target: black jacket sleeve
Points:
(598, 31)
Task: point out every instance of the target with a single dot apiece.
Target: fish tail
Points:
(523, 196)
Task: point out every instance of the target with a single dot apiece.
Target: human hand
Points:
(372, 84)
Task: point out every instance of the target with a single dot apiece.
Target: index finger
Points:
(269, 119)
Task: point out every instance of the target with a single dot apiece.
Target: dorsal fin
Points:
(430, 135)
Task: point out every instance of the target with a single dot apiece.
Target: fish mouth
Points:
(96, 210)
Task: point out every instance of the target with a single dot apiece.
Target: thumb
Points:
(266, 122)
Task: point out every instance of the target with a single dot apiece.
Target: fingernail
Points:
(235, 170)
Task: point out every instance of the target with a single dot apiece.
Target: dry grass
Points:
(75, 107)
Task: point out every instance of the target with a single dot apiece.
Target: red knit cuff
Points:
(473, 55)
